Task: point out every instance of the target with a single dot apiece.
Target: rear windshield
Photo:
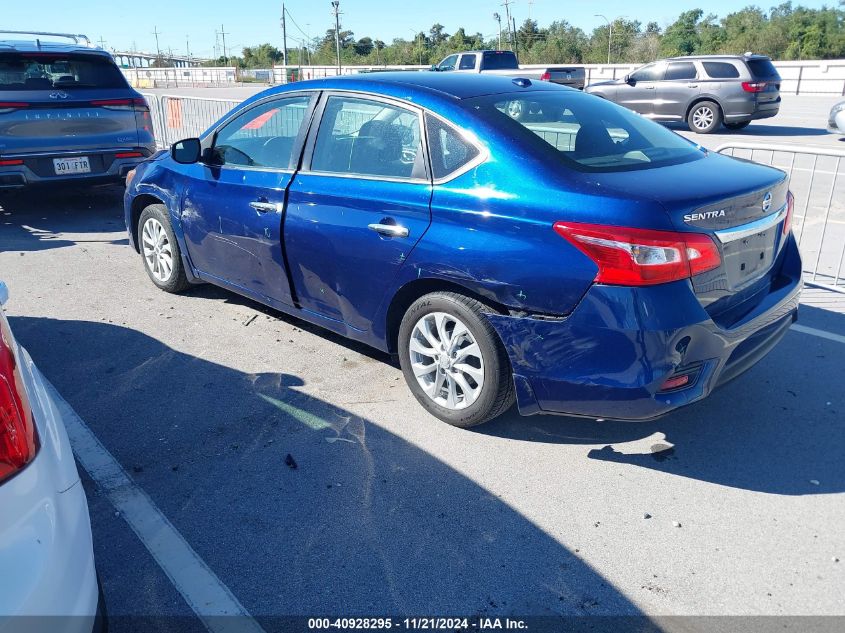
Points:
(584, 132)
(49, 71)
(763, 69)
(504, 60)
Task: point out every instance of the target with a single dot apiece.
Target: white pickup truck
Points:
(506, 63)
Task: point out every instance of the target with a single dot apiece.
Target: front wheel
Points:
(453, 360)
(160, 250)
(705, 117)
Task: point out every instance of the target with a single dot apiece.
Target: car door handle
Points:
(649, 87)
(266, 207)
(692, 85)
(389, 230)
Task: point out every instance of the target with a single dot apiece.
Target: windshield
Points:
(763, 68)
(499, 60)
(48, 72)
(586, 132)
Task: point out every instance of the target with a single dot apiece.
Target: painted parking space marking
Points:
(830, 336)
(213, 602)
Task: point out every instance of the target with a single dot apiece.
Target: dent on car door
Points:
(234, 200)
(358, 207)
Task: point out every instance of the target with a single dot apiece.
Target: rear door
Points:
(358, 207)
(639, 92)
(677, 90)
(52, 102)
(234, 204)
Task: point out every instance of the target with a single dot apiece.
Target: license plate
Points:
(76, 165)
(749, 258)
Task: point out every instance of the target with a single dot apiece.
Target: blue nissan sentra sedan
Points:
(581, 260)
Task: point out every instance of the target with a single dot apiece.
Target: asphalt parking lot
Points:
(733, 506)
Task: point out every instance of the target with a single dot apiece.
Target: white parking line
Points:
(204, 592)
(830, 336)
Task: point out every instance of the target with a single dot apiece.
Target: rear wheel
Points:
(160, 250)
(705, 117)
(453, 361)
(740, 125)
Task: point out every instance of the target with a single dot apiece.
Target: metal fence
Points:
(816, 180)
(175, 117)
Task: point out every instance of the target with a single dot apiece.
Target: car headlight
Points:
(837, 108)
(129, 176)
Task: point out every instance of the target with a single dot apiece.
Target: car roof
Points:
(455, 85)
(732, 57)
(37, 44)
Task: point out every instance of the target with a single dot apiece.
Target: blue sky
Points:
(255, 21)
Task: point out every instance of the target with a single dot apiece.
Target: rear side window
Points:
(368, 138)
(763, 69)
(681, 70)
(263, 136)
(51, 72)
(504, 60)
(449, 150)
(467, 62)
(720, 70)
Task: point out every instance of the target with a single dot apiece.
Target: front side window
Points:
(368, 138)
(681, 70)
(652, 72)
(583, 132)
(263, 136)
(448, 63)
(50, 72)
(448, 148)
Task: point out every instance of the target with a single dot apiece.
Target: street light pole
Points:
(336, 10)
(609, 33)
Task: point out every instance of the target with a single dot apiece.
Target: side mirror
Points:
(186, 151)
(4, 294)
(629, 80)
(433, 68)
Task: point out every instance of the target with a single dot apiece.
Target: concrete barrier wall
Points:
(804, 77)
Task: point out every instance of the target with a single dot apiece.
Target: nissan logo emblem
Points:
(767, 202)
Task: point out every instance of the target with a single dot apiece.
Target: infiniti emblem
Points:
(767, 202)
(59, 95)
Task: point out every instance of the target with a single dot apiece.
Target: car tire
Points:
(704, 117)
(160, 250)
(518, 109)
(471, 381)
(740, 125)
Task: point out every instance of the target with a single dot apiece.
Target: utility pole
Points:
(223, 35)
(336, 11)
(216, 45)
(507, 5)
(102, 42)
(284, 39)
(156, 32)
(498, 19)
(515, 46)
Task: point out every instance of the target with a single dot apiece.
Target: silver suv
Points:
(705, 91)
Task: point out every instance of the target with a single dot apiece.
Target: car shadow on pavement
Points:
(36, 220)
(776, 429)
(302, 507)
(756, 130)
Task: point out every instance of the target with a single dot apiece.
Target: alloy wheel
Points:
(446, 360)
(703, 118)
(157, 251)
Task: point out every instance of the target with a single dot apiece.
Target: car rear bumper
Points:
(46, 551)
(761, 111)
(37, 169)
(610, 357)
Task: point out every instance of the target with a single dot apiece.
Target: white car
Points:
(836, 118)
(46, 555)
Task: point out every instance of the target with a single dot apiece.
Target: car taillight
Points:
(128, 155)
(790, 207)
(18, 439)
(10, 162)
(546, 76)
(11, 106)
(139, 105)
(754, 86)
(641, 257)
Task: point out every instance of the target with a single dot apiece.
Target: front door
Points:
(357, 208)
(234, 202)
(639, 92)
